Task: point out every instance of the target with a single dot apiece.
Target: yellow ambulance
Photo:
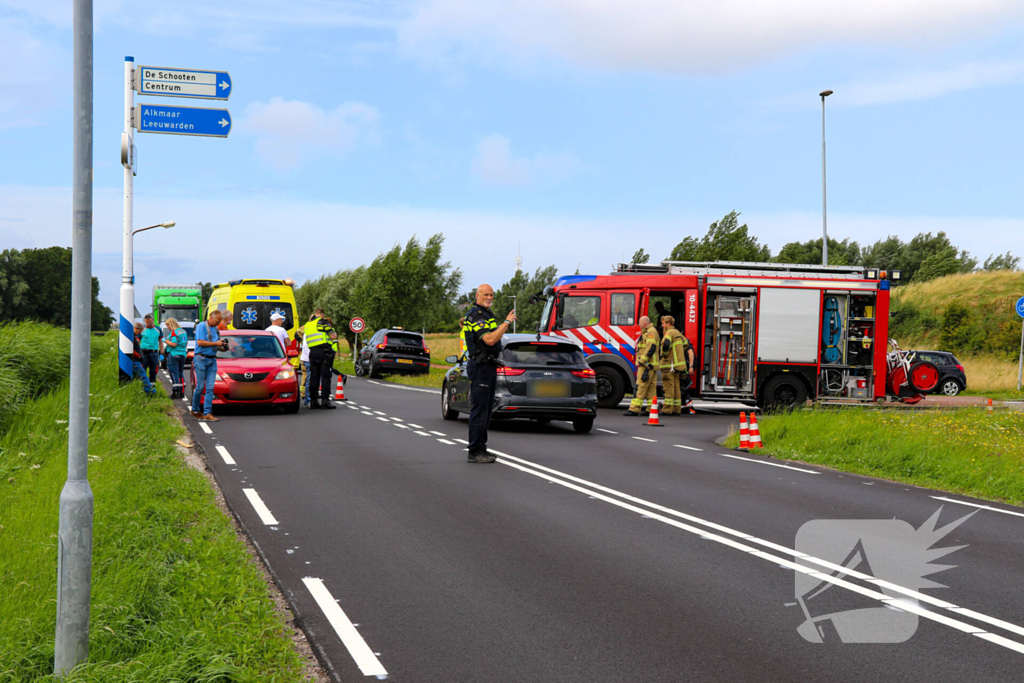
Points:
(248, 304)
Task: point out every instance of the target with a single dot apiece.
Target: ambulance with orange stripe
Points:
(765, 333)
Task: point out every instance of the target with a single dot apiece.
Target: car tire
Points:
(583, 425)
(611, 387)
(360, 372)
(374, 370)
(784, 392)
(949, 387)
(446, 405)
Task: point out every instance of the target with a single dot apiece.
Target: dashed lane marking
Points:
(261, 508)
(773, 464)
(450, 443)
(689, 448)
(400, 426)
(364, 657)
(228, 460)
(383, 419)
(640, 438)
(414, 426)
(205, 427)
(976, 505)
(606, 431)
(422, 433)
(437, 433)
(462, 441)
(398, 419)
(379, 412)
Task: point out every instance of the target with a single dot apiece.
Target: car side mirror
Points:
(452, 360)
(292, 353)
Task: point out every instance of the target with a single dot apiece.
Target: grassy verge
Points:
(175, 595)
(34, 357)
(968, 451)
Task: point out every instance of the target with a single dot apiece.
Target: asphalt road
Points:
(629, 554)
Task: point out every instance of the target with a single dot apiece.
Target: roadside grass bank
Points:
(968, 451)
(992, 377)
(175, 594)
(34, 358)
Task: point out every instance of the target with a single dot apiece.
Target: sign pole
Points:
(126, 322)
(74, 533)
(1020, 362)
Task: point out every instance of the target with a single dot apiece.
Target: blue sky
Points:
(586, 130)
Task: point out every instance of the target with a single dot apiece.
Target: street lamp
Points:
(513, 297)
(126, 332)
(824, 206)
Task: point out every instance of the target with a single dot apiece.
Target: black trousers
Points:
(150, 363)
(321, 359)
(483, 378)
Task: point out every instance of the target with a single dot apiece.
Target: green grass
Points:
(968, 451)
(175, 595)
(34, 358)
(433, 379)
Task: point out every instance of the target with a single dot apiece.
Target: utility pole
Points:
(74, 534)
(126, 320)
(824, 204)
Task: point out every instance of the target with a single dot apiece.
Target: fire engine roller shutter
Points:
(788, 326)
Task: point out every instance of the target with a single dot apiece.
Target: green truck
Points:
(181, 302)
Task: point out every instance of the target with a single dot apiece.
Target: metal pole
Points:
(74, 534)
(1020, 362)
(126, 322)
(824, 203)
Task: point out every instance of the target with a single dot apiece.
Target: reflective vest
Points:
(316, 335)
(673, 351)
(462, 337)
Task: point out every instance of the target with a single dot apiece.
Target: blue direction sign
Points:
(169, 82)
(1020, 307)
(174, 120)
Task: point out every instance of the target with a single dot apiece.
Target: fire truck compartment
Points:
(788, 327)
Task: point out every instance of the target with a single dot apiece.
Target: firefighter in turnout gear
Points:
(676, 360)
(647, 360)
(323, 345)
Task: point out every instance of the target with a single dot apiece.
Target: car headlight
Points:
(285, 374)
(221, 378)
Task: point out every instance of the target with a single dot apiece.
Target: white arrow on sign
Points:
(224, 86)
(224, 122)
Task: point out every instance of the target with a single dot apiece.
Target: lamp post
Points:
(514, 297)
(824, 204)
(127, 320)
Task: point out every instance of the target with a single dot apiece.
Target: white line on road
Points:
(228, 460)
(354, 643)
(765, 462)
(422, 433)
(185, 400)
(372, 382)
(395, 424)
(415, 426)
(835, 569)
(462, 441)
(205, 427)
(689, 448)
(379, 412)
(383, 419)
(606, 431)
(983, 507)
(450, 443)
(261, 508)
(437, 433)
(640, 438)
(398, 419)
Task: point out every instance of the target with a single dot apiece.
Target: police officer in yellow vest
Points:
(676, 360)
(647, 361)
(322, 341)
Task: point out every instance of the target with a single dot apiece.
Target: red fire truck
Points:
(766, 333)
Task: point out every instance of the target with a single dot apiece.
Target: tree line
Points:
(35, 284)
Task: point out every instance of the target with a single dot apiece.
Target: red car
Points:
(255, 371)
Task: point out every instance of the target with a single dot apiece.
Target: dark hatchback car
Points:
(952, 378)
(540, 378)
(394, 352)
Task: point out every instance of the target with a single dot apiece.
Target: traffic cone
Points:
(755, 433)
(339, 393)
(990, 405)
(652, 421)
(744, 433)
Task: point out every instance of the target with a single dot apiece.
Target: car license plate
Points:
(249, 391)
(403, 360)
(547, 389)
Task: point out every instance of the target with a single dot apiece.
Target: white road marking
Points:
(535, 470)
(773, 464)
(415, 426)
(689, 448)
(372, 382)
(228, 460)
(395, 424)
(422, 433)
(391, 385)
(383, 419)
(353, 402)
(379, 412)
(640, 438)
(185, 400)
(261, 508)
(437, 433)
(606, 431)
(364, 657)
(975, 505)
(462, 441)
(398, 419)
(450, 443)
(205, 427)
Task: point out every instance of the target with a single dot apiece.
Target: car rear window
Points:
(404, 339)
(542, 353)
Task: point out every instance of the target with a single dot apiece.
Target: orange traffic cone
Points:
(652, 421)
(744, 433)
(339, 393)
(755, 433)
(990, 405)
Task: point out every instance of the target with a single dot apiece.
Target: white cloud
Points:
(690, 36)
(495, 164)
(926, 85)
(290, 131)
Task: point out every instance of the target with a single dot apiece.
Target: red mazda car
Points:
(255, 371)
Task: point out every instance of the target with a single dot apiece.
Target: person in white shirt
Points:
(275, 326)
(304, 359)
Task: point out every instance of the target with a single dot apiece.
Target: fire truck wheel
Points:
(611, 387)
(784, 392)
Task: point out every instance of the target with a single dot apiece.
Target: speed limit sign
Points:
(356, 325)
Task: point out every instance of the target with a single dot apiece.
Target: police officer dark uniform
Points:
(483, 345)
(322, 341)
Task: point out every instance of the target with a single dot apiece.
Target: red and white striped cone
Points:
(755, 433)
(990, 405)
(652, 421)
(744, 433)
(339, 392)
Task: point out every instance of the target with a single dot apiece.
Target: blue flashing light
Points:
(883, 286)
(574, 279)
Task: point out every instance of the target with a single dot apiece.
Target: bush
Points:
(34, 358)
(908, 321)
(959, 333)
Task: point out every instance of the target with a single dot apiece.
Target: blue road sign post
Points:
(1020, 360)
(174, 120)
(197, 83)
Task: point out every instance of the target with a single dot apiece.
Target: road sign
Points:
(357, 325)
(1020, 307)
(174, 120)
(159, 80)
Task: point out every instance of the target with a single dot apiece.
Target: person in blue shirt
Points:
(152, 346)
(177, 348)
(208, 342)
(137, 369)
